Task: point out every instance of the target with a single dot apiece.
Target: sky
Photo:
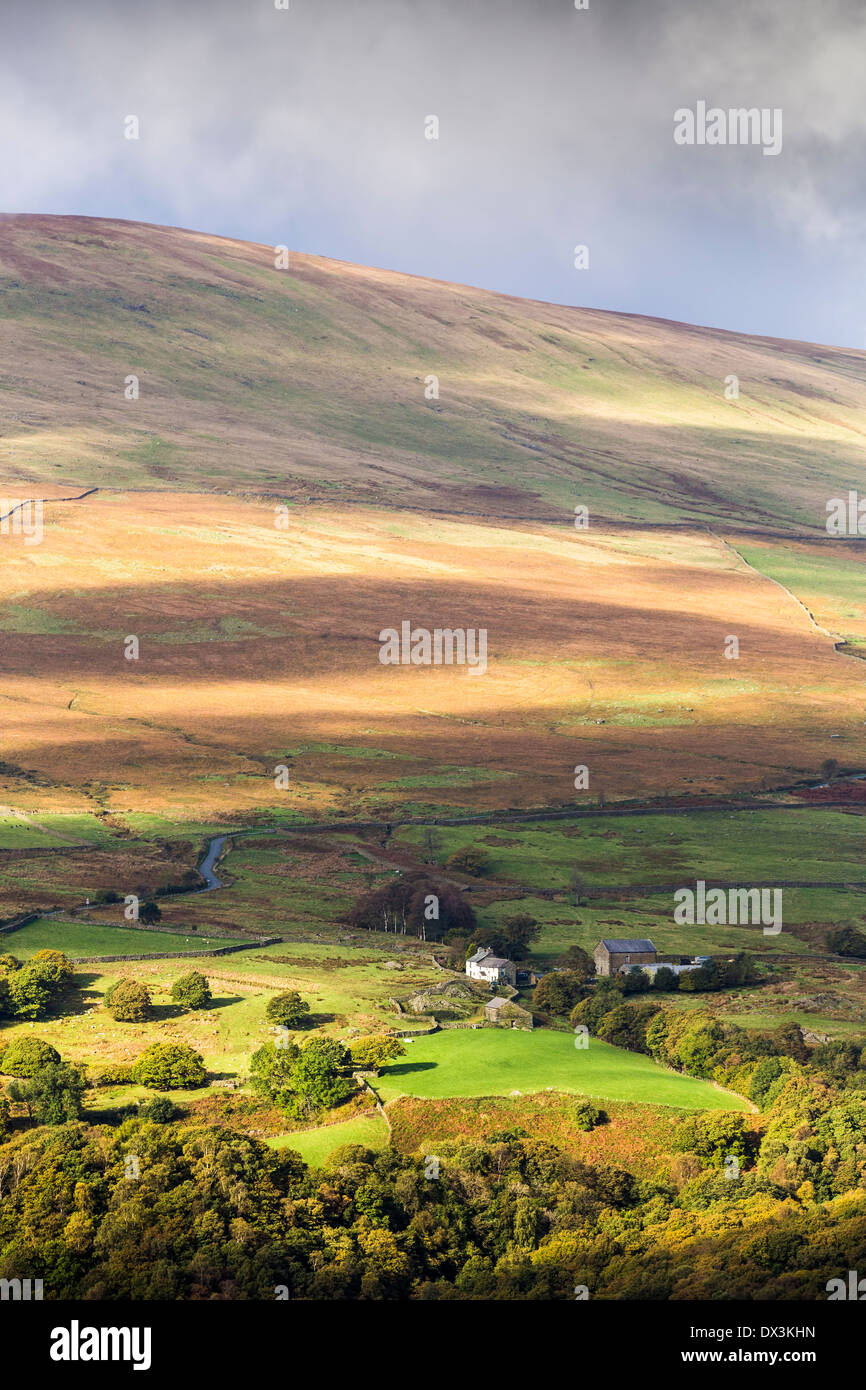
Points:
(306, 127)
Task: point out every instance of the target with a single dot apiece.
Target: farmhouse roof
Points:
(497, 961)
(481, 954)
(615, 944)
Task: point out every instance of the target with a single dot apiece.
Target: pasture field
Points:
(346, 988)
(807, 916)
(78, 939)
(316, 1145)
(490, 1062)
(737, 847)
(300, 886)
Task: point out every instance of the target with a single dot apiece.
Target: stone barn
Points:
(506, 1014)
(614, 956)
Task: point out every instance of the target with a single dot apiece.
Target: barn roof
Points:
(497, 1003)
(619, 945)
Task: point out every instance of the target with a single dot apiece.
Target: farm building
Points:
(506, 1014)
(676, 966)
(493, 970)
(614, 956)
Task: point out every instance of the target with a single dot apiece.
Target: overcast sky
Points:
(306, 127)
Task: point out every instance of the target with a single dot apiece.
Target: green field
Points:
(315, 1145)
(79, 939)
(741, 847)
(497, 1062)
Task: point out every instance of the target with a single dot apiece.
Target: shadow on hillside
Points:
(407, 1068)
(160, 1013)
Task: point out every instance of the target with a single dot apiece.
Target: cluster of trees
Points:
(53, 1090)
(129, 1001)
(512, 938)
(303, 1081)
(28, 991)
(414, 904)
(50, 1089)
(716, 974)
(217, 1215)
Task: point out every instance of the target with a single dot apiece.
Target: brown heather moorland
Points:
(259, 647)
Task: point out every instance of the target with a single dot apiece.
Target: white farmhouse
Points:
(491, 969)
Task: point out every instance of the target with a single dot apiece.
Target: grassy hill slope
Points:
(311, 382)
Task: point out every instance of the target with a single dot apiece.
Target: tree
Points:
(665, 979)
(469, 860)
(287, 1010)
(431, 842)
(317, 1079)
(54, 1095)
(270, 1072)
(369, 1054)
(57, 965)
(414, 903)
(31, 990)
(161, 1110)
(129, 1002)
(577, 884)
(170, 1067)
(788, 1041)
(192, 990)
(149, 913)
(27, 1056)
(577, 962)
(558, 992)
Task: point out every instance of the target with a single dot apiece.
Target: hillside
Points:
(259, 644)
(310, 384)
